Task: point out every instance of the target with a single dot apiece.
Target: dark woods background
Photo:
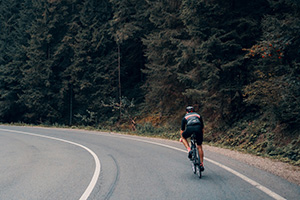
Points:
(138, 63)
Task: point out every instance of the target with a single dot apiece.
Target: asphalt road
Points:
(42, 163)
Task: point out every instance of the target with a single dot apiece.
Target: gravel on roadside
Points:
(284, 170)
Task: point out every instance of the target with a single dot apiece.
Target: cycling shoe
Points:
(201, 167)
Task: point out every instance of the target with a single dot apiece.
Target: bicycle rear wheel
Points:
(197, 164)
(193, 161)
(193, 167)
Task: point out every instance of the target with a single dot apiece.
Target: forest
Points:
(136, 64)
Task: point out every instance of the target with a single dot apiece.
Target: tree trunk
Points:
(119, 71)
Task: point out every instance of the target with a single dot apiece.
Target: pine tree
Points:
(89, 77)
(213, 66)
(128, 26)
(274, 88)
(39, 84)
(14, 17)
(163, 90)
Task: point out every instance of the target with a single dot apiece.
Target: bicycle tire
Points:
(195, 157)
(194, 165)
(197, 160)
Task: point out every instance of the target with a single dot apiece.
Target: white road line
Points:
(245, 178)
(96, 175)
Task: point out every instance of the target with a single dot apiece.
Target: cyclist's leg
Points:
(201, 153)
(184, 137)
(199, 146)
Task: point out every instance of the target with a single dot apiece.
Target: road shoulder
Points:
(284, 170)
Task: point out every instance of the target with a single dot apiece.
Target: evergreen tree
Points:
(89, 78)
(163, 90)
(213, 67)
(39, 84)
(14, 22)
(62, 59)
(128, 26)
(274, 88)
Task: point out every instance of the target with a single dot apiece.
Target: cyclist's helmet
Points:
(190, 109)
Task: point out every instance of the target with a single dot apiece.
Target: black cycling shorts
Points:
(190, 130)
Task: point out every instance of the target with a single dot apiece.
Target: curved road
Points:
(42, 163)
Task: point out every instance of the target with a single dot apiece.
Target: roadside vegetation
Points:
(134, 65)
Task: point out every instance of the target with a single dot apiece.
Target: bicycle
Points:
(195, 157)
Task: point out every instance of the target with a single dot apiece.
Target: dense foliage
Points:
(114, 62)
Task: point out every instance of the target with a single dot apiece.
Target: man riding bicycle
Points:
(192, 122)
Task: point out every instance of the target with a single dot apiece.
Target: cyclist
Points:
(192, 122)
